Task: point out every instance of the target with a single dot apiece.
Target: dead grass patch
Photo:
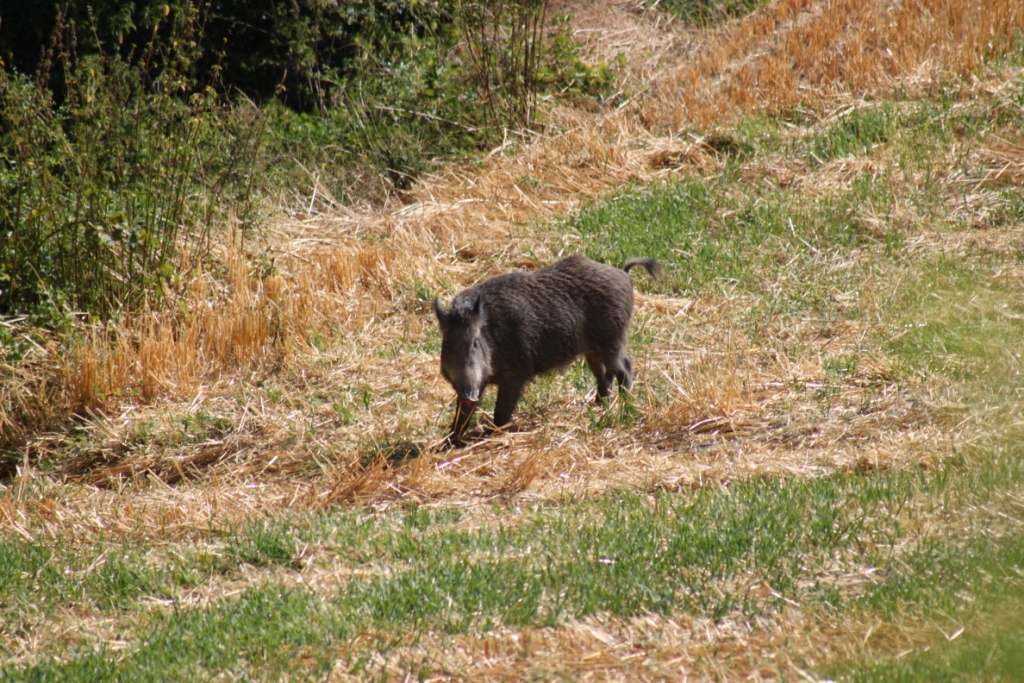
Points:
(711, 406)
(36, 508)
(648, 648)
(802, 52)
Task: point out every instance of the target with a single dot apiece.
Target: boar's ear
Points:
(476, 314)
(442, 317)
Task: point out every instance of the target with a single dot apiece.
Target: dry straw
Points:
(769, 647)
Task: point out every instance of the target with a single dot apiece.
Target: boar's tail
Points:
(652, 266)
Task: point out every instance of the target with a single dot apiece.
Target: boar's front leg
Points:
(464, 410)
(508, 396)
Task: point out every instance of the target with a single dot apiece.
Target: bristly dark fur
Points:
(512, 327)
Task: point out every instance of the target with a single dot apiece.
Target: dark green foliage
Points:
(118, 156)
(305, 53)
(405, 104)
(301, 52)
(106, 196)
(295, 51)
(123, 27)
(388, 128)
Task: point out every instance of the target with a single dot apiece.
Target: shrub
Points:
(109, 195)
(504, 44)
(117, 158)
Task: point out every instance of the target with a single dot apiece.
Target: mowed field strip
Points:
(817, 474)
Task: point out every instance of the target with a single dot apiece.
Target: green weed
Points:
(260, 543)
(855, 134)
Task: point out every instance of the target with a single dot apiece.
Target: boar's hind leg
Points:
(604, 374)
(625, 373)
(508, 397)
(620, 368)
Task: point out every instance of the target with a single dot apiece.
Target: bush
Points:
(119, 155)
(504, 45)
(111, 194)
(418, 95)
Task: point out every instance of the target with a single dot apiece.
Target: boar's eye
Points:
(476, 343)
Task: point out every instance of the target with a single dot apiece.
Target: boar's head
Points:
(465, 351)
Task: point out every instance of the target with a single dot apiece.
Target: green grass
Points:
(262, 544)
(854, 134)
(960, 319)
(39, 576)
(107, 577)
(258, 635)
(969, 587)
(702, 552)
(719, 237)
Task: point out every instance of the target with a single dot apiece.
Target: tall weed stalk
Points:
(505, 42)
(109, 196)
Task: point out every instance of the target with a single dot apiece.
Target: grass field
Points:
(818, 475)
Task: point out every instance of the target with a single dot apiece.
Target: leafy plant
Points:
(110, 195)
(504, 41)
(562, 71)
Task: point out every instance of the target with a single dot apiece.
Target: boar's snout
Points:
(467, 374)
(468, 394)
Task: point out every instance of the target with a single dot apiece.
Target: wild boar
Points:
(509, 328)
